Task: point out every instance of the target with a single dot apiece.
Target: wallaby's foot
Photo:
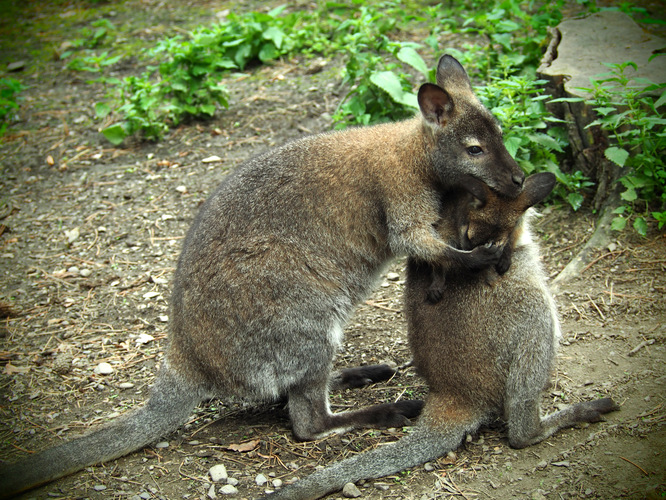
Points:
(523, 434)
(398, 414)
(312, 419)
(593, 411)
(360, 376)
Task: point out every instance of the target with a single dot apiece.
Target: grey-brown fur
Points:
(279, 256)
(484, 350)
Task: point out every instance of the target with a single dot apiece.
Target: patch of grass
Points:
(9, 102)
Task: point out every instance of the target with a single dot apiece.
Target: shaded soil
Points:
(89, 239)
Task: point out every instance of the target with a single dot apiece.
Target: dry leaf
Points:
(10, 369)
(243, 447)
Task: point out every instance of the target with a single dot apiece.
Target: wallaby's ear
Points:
(537, 187)
(476, 188)
(451, 76)
(435, 103)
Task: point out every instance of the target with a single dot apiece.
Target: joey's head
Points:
(466, 138)
(484, 216)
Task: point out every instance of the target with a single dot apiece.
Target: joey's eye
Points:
(475, 150)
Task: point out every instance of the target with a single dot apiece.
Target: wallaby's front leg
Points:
(311, 417)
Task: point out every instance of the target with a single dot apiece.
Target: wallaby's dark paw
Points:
(399, 414)
(434, 294)
(484, 256)
(504, 262)
(360, 376)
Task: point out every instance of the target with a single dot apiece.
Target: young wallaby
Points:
(484, 350)
(280, 254)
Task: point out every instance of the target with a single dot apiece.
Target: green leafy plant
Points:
(636, 126)
(9, 89)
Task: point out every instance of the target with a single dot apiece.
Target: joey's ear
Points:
(537, 187)
(451, 76)
(476, 188)
(435, 103)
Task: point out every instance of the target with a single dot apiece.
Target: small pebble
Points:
(393, 276)
(232, 481)
(99, 487)
(103, 369)
(162, 444)
(218, 473)
(125, 385)
(260, 480)
(351, 491)
(228, 489)
(277, 483)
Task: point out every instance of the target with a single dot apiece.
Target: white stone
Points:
(260, 480)
(103, 369)
(228, 489)
(218, 473)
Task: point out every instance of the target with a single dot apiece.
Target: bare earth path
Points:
(88, 242)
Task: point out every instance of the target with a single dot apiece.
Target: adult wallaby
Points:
(279, 256)
(485, 350)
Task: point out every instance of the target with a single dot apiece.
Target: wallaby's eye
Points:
(475, 150)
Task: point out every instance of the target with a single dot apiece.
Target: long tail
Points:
(420, 446)
(171, 402)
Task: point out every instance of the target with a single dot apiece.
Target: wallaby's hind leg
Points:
(311, 417)
(526, 427)
(360, 376)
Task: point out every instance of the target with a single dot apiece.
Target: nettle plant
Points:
(187, 82)
(633, 117)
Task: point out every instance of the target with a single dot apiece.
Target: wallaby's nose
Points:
(518, 179)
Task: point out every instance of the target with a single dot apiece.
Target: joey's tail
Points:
(420, 446)
(171, 402)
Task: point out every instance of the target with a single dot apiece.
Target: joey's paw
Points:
(434, 294)
(504, 262)
(483, 256)
(360, 376)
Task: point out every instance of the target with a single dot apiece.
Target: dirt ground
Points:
(89, 239)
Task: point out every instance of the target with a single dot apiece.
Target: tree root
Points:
(599, 239)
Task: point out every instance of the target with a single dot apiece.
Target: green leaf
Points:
(409, 56)
(268, 52)
(641, 226)
(390, 83)
(275, 34)
(102, 109)
(546, 141)
(115, 134)
(661, 101)
(619, 223)
(616, 155)
(209, 109)
(629, 194)
(575, 200)
(512, 143)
